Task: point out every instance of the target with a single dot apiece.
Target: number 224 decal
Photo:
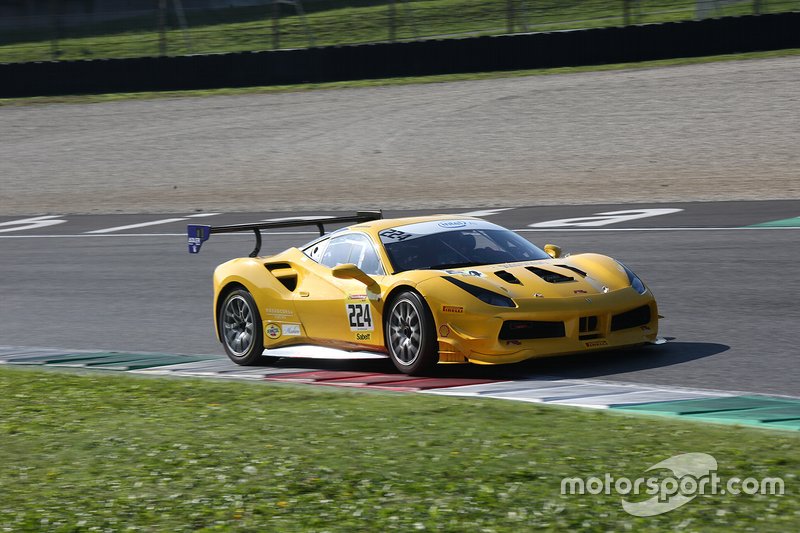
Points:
(360, 317)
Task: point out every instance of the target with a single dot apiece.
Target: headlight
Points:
(636, 283)
(484, 295)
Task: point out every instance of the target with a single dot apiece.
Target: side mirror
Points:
(350, 271)
(552, 250)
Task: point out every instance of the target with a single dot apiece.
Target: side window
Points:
(338, 252)
(353, 248)
(316, 250)
(365, 257)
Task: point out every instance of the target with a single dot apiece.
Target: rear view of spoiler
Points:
(198, 234)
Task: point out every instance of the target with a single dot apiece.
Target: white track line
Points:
(140, 225)
(484, 212)
(151, 223)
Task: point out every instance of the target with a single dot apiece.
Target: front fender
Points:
(461, 319)
(603, 268)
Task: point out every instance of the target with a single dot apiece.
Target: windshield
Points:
(470, 246)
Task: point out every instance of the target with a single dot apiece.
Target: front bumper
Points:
(477, 337)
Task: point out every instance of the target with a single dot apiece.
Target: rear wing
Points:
(198, 233)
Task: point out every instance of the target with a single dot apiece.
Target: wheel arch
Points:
(223, 293)
(389, 300)
(405, 287)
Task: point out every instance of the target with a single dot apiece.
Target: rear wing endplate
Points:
(198, 233)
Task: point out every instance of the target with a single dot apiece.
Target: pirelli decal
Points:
(452, 309)
(596, 344)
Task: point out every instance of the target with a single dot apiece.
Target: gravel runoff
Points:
(716, 131)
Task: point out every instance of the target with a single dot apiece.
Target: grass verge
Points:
(110, 97)
(112, 452)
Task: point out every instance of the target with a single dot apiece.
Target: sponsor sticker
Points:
(357, 296)
(475, 273)
(272, 330)
(579, 291)
(452, 224)
(363, 336)
(596, 344)
(452, 309)
(292, 330)
(360, 317)
(278, 312)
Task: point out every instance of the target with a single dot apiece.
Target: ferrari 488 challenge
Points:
(425, 290)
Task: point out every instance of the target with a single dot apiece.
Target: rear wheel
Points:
(240, 328)
(411, 334)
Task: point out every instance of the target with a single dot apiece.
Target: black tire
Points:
(410, 334)
(240, 328)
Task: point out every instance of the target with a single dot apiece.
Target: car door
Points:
(341, 312)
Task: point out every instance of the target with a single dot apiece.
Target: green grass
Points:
(85, 452)
(99, 98)
(342, 22)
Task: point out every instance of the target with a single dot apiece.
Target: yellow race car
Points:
(424, 290)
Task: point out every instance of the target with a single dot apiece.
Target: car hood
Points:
(568, 277)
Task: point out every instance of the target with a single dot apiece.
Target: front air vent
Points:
(631, 319)
(284, 273)
(587, 324)
(530, 329)
(508, 277)
(577, 270)
(549, 276)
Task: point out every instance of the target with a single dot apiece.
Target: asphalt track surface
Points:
(718, 131)
(729, 293)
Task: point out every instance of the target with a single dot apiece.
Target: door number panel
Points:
(360, 317)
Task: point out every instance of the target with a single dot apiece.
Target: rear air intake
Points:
(284, 273)
(631, 319)
(508, 277)
(550, 276)
(530, 329)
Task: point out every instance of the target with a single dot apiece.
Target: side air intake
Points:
(631, 319)
(530, 329)
(284, 273)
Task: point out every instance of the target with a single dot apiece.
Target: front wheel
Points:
(411, 334)
(240, 328)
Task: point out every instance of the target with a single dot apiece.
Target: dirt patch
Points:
(717, 131)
